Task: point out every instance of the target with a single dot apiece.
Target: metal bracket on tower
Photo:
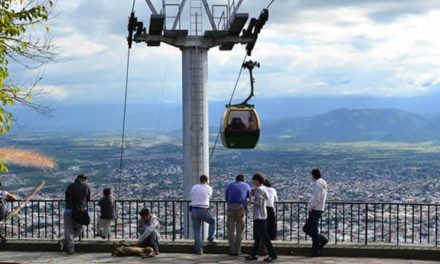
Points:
(250, 65)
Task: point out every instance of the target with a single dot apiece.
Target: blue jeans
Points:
(151, 241)
(198, 216)
(311, 229)
(262, 238)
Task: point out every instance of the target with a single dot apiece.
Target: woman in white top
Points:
(270, 205)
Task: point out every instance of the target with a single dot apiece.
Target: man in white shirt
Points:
(316, 208)
(270, 204)
(200, 196)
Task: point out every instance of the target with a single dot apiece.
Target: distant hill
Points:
(345, 125)
(280, 122)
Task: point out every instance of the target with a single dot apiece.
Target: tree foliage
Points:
(25, 40)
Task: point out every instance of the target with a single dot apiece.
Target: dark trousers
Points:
(151, 241)
(271, 223)
(311, 229)
(262, 237)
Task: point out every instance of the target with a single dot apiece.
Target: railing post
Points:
(397, 227)
(436, 225)
(366, 224)
(336, 223)
(174, 221)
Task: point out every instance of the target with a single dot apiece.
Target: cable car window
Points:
(243, 121)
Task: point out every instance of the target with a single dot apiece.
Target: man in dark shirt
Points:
(107, 204)
(77, 196)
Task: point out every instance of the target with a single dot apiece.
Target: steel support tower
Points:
(225, 30)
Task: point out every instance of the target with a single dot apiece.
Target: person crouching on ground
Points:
(316, 208)
(107, 204)
(260, 221)
(148, 230)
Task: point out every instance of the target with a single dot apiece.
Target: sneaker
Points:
(251, 258)
(212, 243)
(313, 255)
(156, 252)
(199, 253)
(270, 259)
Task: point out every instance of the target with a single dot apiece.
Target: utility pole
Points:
(225, 30)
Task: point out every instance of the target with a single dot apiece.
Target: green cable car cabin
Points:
(240, 127)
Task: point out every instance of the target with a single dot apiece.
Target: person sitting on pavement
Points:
(148, 230)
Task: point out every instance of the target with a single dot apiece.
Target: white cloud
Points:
(52, 92)
(380, 48)
(77, 45)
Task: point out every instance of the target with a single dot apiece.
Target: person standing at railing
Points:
(260, 221)
(4, 198)
(316, 207)
(270, 205)
(107, 204)
(236, 195)
(77, 196)
(200, 212)
(148, 229)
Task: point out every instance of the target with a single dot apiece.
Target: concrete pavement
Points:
(53, 257)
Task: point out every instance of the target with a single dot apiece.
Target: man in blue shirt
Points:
(236, 197)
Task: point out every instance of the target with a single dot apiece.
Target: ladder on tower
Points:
(196, 19)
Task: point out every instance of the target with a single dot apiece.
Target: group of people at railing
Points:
(239, 196)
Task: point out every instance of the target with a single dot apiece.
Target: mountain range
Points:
(297, 121)
(349, 125)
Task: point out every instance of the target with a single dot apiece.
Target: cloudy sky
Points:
(308, 48)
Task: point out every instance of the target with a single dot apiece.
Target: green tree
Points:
(24, 39)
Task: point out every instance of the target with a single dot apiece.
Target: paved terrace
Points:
(51, 257)
(98, 251)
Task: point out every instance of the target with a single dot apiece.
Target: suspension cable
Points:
(124, 115)
(271, 2)
(238, 79)
(229, 103)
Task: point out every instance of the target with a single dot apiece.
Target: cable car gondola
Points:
(240, 124)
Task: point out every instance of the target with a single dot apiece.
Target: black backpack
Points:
(3, 206)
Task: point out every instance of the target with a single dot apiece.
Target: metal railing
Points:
(362, 223)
